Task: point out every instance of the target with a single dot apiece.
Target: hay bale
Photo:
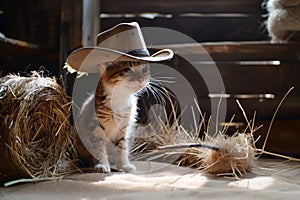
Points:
(35, 128)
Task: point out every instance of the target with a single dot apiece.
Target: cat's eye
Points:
(145, 70)
(128, 71)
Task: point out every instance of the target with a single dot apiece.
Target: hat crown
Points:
(124, 37)
(124, 42)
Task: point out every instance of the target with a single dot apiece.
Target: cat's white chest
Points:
(120, 103)
(121, 118)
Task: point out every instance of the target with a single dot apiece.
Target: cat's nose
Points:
(140, 80)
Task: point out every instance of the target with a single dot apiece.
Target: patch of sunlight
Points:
(158, 182)
(258, 183)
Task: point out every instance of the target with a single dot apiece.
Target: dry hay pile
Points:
(233, 155)
(220, 154)
(35, 138)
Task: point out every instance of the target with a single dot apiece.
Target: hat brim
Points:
(87, 59)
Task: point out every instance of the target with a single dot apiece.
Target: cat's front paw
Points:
(103, 168)
(128, 168)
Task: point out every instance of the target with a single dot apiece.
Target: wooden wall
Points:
(212, 20)
(55, 28)
(52, 26)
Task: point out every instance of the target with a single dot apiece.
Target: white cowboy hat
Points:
(124, 42)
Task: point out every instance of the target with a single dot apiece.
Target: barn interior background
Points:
(38, 35)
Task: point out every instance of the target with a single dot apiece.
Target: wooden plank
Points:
(264, 109)
(15, 47)
(254, 51)
(71, 24)
(277, 80)
(200, 29)
(180, 6)
(239, 51)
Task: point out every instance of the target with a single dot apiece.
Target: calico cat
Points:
(108, 116)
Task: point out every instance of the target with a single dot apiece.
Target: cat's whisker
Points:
(158, 97)
(163, 80)
(149, 90)
(146, 90)
(161, 95)
(153, 75)
(163, 90)
(166, 77)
